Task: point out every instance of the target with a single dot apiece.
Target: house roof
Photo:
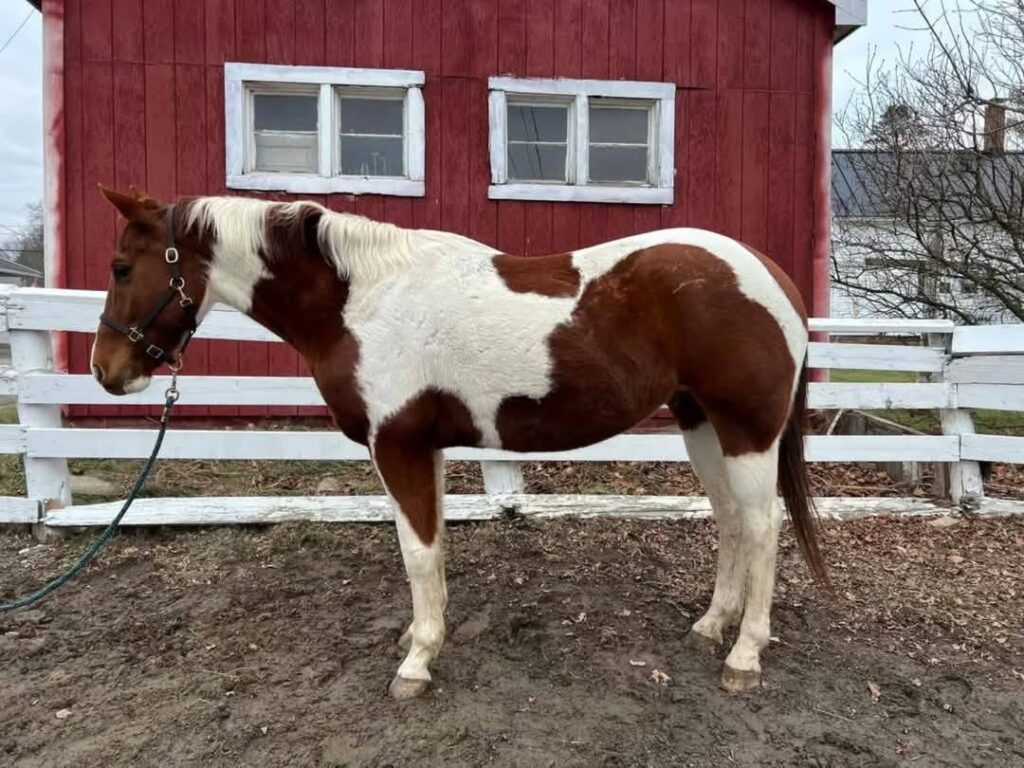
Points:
(8, 267)
(946, 184)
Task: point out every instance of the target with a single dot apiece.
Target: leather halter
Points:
(136, 332)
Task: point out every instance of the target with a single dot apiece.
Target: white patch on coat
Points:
(238, 225)
(138, 384)
(452, 324)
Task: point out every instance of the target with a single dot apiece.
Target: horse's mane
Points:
(357, 247)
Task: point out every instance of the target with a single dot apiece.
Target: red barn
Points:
(532, 125)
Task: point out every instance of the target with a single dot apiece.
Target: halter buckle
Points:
(135, 335)
(155, 352)
(171, 255)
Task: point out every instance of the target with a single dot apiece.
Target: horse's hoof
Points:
(403, 689)
(740, 680)
(703, 643)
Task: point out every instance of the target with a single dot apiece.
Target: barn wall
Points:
(144, 105)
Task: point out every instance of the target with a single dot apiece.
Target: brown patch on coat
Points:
(403, 451)
(546, 275)
(665, 319)
(315, 296)
(689, 415)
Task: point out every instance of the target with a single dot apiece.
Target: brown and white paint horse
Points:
(421, 340)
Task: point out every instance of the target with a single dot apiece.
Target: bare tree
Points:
(25, 246)
(935, 225)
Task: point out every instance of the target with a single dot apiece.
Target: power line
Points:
(14, 34)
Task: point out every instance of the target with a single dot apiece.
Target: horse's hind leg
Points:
(752, 482)
(708, 462)
(413, 477)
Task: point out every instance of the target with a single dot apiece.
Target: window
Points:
(582, 140)
(324, 129)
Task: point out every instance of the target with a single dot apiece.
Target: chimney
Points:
(995, 126)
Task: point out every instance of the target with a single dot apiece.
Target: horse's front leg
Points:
(413, 478)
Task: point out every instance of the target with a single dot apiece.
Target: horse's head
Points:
(157, 282)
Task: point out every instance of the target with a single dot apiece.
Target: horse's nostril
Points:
(97, 372)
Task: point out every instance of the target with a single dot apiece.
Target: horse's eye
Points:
(121, 271)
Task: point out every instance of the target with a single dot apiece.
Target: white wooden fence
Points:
(961, 368)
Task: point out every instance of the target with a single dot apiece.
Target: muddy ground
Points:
(274, 647)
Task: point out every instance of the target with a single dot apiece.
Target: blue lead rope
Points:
(107, 535)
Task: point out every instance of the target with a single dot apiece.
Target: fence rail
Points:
(959, 369)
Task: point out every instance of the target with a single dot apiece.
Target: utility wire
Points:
(14, 34)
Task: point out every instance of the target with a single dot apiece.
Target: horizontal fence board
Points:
(881, 396)
(1001, 448)
(333, 446)
(376, 509)
(55, 388)
(50, 309)
(12, 438)
(80, 389)
(17, 510)
(988, 340)
(883, 448)
(986, 369)
(875, 357)
(997, 397)
(870, 327)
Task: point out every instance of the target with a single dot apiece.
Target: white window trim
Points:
(663, 94)
(236, 133)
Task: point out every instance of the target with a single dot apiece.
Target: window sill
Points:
(325, 185)
(578, 194)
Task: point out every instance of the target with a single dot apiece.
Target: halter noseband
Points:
(136, 332)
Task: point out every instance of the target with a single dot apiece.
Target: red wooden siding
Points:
(144, 105)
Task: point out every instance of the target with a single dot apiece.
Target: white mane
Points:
(358, 248)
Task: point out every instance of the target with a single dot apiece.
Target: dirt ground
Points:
(274, 647)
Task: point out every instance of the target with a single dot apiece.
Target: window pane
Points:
(536, 162)
(618, 126)
(618, 164)
(366, 156)
(372, 116)
(533, 123)
(283, 152)
(280, 112)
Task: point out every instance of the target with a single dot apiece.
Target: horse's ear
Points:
(128, 205)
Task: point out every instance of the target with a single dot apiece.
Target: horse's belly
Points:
(569, 419)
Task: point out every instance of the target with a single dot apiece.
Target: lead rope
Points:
(171, 397)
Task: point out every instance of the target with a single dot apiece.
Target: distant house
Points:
(874, 246)
(13, 273)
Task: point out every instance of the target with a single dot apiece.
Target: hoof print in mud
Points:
(702, 643)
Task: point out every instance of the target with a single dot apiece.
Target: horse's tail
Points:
(795, 487)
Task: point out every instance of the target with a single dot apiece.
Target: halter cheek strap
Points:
(136, 332)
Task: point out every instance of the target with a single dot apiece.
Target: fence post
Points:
(46, 480)
(503, 480)
(966, 487)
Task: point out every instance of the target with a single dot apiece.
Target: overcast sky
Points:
(21, 174)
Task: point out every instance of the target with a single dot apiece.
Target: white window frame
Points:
(577, 94)
(242, 80)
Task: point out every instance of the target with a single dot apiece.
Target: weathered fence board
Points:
(470, 507)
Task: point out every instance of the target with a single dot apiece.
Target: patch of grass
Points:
(855, 376)
(986, 421)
